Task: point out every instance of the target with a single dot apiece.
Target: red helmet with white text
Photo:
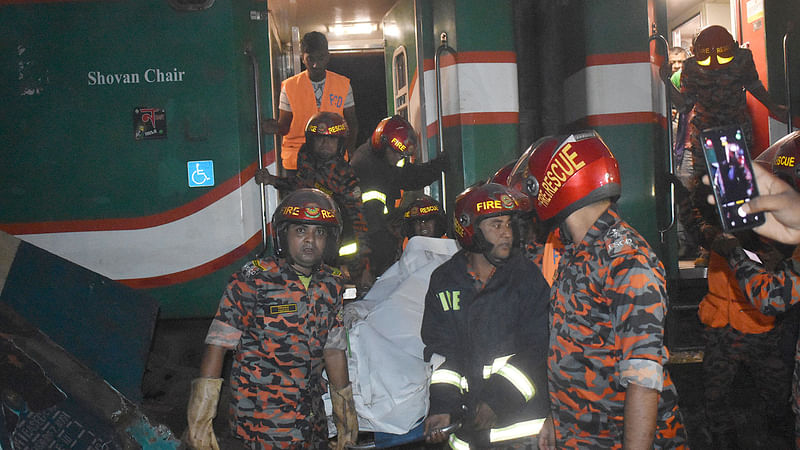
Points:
(310, 206)
(477, 203)
(781, 158)
(396, 133)
(562, 174)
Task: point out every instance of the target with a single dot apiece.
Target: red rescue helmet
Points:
(310, 206)
(563, 174)
(781, 158)
(714, 47)
(327, 124)
(477, 203)
(396, 133)
(423, 208)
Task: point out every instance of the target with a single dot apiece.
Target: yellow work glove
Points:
(344, 416)
(200, 413)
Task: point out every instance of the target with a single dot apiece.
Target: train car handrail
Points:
(257, 94)
(668, 116)
(438, 68)
(788, 80)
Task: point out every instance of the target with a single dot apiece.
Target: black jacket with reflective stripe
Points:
(472, 328)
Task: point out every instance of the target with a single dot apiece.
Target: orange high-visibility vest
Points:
(552, 254)
(304, 105)
(725, 303)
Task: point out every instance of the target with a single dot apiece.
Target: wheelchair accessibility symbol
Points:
(201, 173)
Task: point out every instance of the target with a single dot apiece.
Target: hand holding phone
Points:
(731, 174)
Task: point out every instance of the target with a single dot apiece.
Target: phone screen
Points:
(731, 174)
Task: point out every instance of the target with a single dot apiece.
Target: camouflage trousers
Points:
(726, 352)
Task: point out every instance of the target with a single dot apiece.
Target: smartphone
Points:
(731, 174)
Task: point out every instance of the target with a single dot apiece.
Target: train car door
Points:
(131, 139)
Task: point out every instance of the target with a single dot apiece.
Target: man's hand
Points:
(264, 177)
(485, 418)
(433, 424)
(547, 437)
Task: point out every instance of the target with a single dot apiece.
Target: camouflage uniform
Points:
(279, 329)
(772, 292)
(606, 331)
(719, 98)
(336, 178)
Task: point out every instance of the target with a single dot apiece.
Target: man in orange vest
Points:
(311, 91)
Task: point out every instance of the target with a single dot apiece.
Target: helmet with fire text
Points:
(714, 47)
(423, 208)
(563, 174)
(327, 123)
(309, 206)
(781, 158)
(478, 203)
(396, 133)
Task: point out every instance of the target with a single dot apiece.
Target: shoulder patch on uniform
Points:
(253, 267)
(620, 243)
(336, 272)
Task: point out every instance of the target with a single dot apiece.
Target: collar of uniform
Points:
(596, 231)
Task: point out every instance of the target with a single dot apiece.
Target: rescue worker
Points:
(321, 165)
(485, 319)
(282, 316)
(384, 170)
(713, 82)
(609, 386)
(771, 284)
(311, 91)
(423, 217)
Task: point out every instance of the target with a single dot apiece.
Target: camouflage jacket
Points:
(606, 331)
(718, 95)
(278, 329)
(771, 291)
(336, 178)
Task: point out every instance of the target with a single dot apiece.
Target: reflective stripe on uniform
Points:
(517, 377)
(457, 444)
(516, 431)
(375, 195)
(348, 249)
(450, 377)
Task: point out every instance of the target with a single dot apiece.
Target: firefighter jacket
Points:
(494, 341)
(304, 105)
(382, 186)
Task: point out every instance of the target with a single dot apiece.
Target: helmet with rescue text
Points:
(714, 48)
(396, 135)
(424, 209)
(477, 204)
(307, 206)
(321, 128)
(781, 158)
(562, 174)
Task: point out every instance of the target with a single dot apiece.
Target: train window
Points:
(400, 84)
(190, 5)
